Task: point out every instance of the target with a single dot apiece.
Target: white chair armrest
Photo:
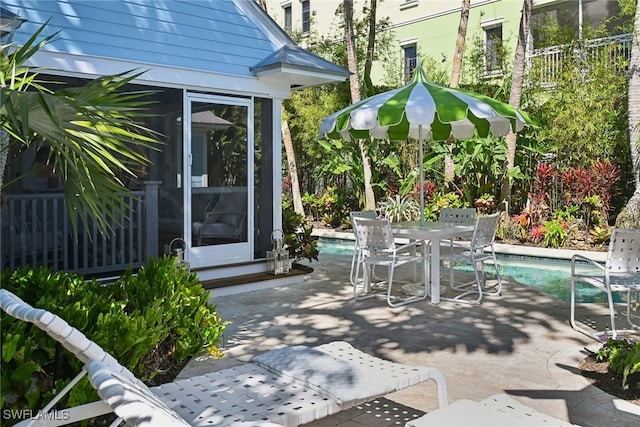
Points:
(408, 246)
(578, 257)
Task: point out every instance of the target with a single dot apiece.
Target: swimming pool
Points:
(551, 276)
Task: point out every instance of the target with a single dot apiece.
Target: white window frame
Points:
(286, 6)
(302, 13)
(487, 27)
(405, 44)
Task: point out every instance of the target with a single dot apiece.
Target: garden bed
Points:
(599, 374)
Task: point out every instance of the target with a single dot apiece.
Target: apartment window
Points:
(287, 17)
(410, 60)
(493, 48)
(306, 16)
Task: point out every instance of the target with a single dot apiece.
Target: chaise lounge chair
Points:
(288, 386)
(284, 387)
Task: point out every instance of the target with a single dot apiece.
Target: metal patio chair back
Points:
(370, 214)
(376, 247)
(620, 273)
(457, 215)
(479, 250)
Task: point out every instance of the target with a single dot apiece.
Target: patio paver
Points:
(520, 343)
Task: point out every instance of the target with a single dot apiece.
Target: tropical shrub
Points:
(485, 204)
(555, 233)
(297, 235)
(623, 356)
(536, 233)
(508, 228)
(398, 208)
(332, 206)
(441, 200)
(162, 308)
(601, 235)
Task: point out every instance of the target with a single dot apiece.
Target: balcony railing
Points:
(545, 65)
(37, 231)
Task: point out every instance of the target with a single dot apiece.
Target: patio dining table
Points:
(433, 233)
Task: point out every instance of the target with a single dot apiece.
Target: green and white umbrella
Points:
(423, 110)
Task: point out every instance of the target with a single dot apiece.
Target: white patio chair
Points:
(359, 214)
(376, 247)
(479, 250)
(288, 386)
(620, 273)
(457, 215)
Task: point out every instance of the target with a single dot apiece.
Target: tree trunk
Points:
(630, 215)
(4, 152)
(293, 167)
(371, 45)
(449, 166)
(460, 43)
(352, 61)
(515, 96)
(289, 150)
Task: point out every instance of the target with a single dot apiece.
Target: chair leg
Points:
(390, 287)
(632, 297)
(572, 316)
(478, 289)
(572, 305)
(613, 332)
(408, 300)
(367, 273)
(352, 274)
(451, 281)
(498, 290)
(356, 279)
(612, 314)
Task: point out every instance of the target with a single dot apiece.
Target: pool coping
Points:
(521, 250)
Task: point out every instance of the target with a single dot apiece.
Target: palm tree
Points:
(291, 163)
(352, 60)
(449, 166)
(629, 217)
(371, 46)
(92, 133)
(515, 95)
(460, 42)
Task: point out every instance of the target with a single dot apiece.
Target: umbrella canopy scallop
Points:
(426, 111)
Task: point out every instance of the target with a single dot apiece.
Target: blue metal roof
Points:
(215, 36)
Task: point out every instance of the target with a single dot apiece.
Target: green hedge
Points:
(159, 312)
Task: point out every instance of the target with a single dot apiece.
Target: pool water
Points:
(547, 275)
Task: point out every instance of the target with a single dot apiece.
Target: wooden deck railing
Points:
(36, 231)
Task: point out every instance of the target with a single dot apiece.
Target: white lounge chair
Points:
(288, 386)
(498, 410)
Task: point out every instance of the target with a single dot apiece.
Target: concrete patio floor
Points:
(519, 343)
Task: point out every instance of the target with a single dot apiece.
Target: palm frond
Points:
(93, 132)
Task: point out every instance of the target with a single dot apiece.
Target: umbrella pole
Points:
(421, 160)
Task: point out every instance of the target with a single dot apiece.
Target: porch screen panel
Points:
(263, 196)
